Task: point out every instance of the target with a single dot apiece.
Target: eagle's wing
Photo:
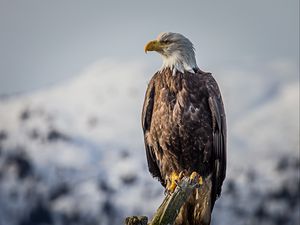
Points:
(219, 138)
(146, 123)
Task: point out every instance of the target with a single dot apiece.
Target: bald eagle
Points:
(184, 126)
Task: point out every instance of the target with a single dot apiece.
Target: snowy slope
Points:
(73, 153)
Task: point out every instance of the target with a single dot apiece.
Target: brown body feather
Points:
(184, 127)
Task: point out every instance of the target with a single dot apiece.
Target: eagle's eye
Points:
(166, 42)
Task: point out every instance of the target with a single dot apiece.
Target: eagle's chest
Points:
(180, 112)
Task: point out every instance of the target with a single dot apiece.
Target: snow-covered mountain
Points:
(74, 154)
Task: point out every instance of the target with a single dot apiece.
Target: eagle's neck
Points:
(180, 61)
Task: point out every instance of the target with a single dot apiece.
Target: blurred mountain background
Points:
(72, 82)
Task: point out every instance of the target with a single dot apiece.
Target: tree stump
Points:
(170, 207)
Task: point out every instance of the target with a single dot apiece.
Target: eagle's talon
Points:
(200, 180)
(196, 178)
(181, 175)
(172, 181)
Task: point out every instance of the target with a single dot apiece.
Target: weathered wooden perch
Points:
(170, 207)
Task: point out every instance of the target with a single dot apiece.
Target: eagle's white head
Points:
(177, 51)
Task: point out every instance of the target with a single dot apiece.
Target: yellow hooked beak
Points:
(153, 46)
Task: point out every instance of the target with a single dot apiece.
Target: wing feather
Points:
(146, 124)
(219, 139)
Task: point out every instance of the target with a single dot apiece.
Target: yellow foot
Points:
(172, 181)
(196, 178)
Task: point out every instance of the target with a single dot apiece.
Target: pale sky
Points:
(44, 42)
